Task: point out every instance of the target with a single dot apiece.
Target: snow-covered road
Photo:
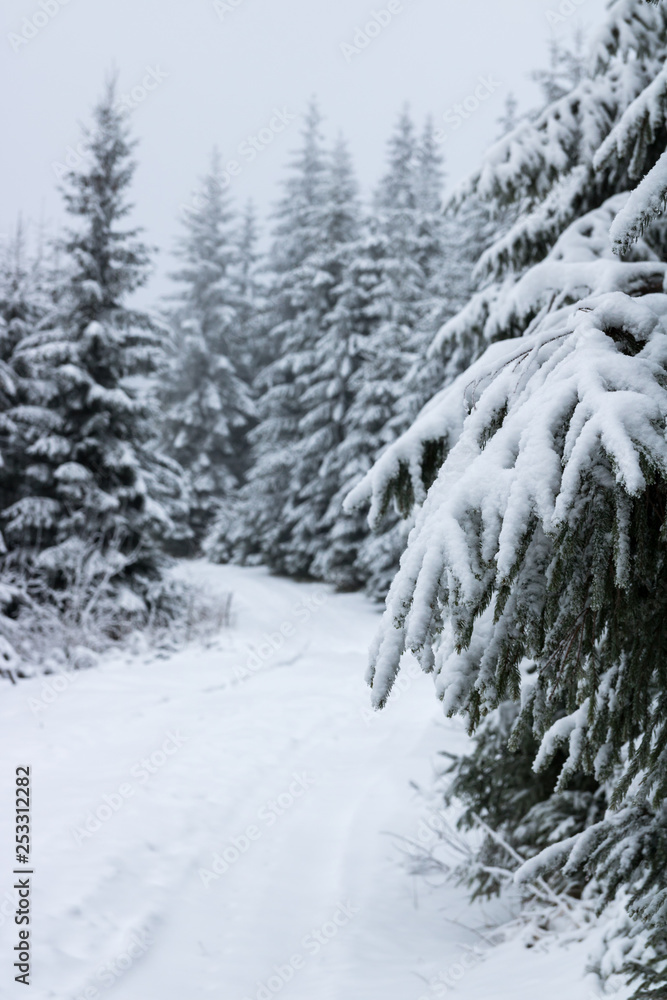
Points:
(215, 823)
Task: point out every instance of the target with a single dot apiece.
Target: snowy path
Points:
(281, 774)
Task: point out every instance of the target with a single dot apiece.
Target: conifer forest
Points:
(333, 377)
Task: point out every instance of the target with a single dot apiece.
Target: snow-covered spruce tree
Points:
(23, 304)
(24, 293)
(251, 350)
(27, 292)
(261, 527)
(411, 271)
(545, 171)
(85, 504)
(446, 287)
(540, 475)
(406, 220)
(404, 227)
(496, 784)
(429, 181)
(567, 67)
(352, 323)
(637, 146)
(452, 243)
(207, 405)
(226, 539)
(325, 378)
(445, 249)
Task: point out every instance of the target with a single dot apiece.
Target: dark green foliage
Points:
(84, 416)
(499, 786)
(208, 406)
(537, 544)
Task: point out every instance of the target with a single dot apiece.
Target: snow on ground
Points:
(215, 823)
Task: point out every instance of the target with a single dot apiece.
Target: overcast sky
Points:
(219, 76)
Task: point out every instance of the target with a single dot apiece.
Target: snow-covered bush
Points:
(45, 629)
